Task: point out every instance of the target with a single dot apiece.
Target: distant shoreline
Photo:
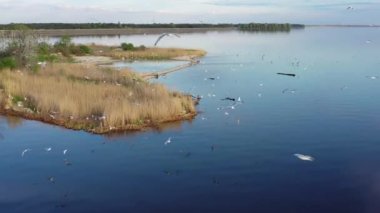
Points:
(156, 30)
(343, 25)
(152, 31)
(126, 31)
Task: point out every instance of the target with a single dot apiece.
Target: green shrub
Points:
(64, 46)
(142, 47)
(8, 62)
(44, 48)
(17, 98)
(85, 49)
(127, 46)
(80, 50)
(47, 57)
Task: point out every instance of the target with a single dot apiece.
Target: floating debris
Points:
(64, 151)
(304, 157)
(48, 149)
(288, 90)
(228, 99)
(287, 74)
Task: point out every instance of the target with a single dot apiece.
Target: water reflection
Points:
(13, 122)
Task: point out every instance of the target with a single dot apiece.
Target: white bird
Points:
(64, 151)
(163, 35)
(373, 77)
(304, 157)
(25, 151)
(48, 149)
(169, 140)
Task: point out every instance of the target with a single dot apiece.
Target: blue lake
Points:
(225, 160)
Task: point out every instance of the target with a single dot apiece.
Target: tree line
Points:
(246, 27)
(38, 26)
(270, 27)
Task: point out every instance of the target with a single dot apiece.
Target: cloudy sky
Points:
(194, 11)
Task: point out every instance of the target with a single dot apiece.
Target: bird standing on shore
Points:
(163, 35)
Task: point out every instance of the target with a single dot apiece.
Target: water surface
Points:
(225, 160)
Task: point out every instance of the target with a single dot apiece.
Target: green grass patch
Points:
(8, 62)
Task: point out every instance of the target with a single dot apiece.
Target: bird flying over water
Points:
(25, 151)
(169, 140)
(165, 34)
(372, 77)
(304, 157)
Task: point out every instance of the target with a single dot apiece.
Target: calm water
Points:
(226, 160)
(148, 66)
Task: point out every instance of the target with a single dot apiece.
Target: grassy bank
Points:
(90, 98)
(143, 53)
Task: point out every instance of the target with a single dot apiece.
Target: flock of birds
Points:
(47, 149)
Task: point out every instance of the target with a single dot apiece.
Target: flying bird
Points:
(372, 77)
(165, 34)
(169, 140)
(25, 151)
(304, 157)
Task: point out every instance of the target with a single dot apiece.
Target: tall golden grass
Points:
(109, 98)
(147, 54)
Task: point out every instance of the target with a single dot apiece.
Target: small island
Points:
(63, 84)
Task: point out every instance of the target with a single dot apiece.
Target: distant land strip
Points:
(104, 29)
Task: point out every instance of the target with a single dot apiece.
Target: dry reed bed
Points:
(91, 98)
(147, 54)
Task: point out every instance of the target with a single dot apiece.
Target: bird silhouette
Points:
(165, 34)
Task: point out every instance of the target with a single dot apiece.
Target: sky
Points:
(191, 11)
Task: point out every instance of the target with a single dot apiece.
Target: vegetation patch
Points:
(39, 81)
